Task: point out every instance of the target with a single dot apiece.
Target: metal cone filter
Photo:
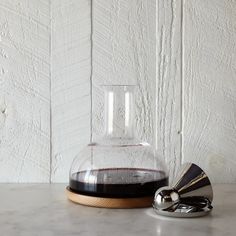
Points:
(193, 182)
(190, 196)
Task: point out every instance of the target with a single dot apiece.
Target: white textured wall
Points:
(209, 86)
(70, 82)
(124, 53)
(55, 54)
(24, 91)
(169, 84)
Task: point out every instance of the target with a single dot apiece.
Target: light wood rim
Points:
(109, 202)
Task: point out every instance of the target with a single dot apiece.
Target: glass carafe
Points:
(118, 165)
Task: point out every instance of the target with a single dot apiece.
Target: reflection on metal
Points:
(190, 196)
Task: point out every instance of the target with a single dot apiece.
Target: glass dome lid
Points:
(118, 165)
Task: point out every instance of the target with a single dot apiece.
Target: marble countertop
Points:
(42, 209)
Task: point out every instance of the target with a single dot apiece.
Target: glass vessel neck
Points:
(119, 111)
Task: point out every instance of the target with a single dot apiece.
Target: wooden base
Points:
(109, 202)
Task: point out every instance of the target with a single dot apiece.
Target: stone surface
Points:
(44, 210)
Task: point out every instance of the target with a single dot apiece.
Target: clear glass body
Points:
(118, 165)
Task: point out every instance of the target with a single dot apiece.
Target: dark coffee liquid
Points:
(118, 182)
